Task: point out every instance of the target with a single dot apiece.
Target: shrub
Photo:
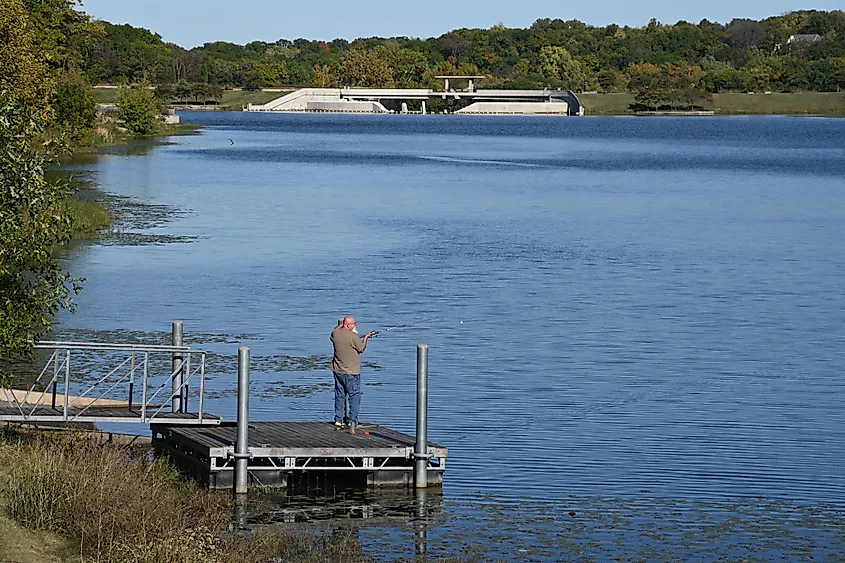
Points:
(75, 107)
(139, 110)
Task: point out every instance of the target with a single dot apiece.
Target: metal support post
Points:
(202, 385)
(55, 376)
(67, 382)
(131, 380)
(241, 448)
(144, 386)
(176, 339)
(421, 447)
(186, 374)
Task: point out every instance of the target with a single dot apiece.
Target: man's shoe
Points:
(338, 424)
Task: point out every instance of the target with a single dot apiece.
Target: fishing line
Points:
(407, 325)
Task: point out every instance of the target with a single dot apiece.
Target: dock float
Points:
(287, 453)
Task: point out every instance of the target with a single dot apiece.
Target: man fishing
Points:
(346, 367)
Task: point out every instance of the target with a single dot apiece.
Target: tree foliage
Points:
(63, 34)
(22, 74)
(32, 219)
(75, 106)
(138, 108)
(552, 52)
(559, 69)
(364, 68)
(32, 222)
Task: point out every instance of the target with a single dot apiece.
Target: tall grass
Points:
(122, 506)
(87, 218)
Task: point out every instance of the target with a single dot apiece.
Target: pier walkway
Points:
(106, 382)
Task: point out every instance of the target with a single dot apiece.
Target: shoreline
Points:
(828, 104)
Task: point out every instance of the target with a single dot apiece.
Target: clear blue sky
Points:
(190, 23)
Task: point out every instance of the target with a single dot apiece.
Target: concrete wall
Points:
(517, 108)
(298, 100)
(345, 106)
(362, 100)
(318, 100)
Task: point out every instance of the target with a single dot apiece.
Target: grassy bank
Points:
(108, 503)
(232, 100)
(796, 103)
(87, 218)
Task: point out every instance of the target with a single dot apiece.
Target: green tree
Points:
(363, 68)
(64, 36)
(324, 77)
(652, 98)
(611, 80)
(271, 73)
(32, 222)
(407, 67)
(828, 75)
(722, 76)
(22, 74)
(647, 76)
(559, 68)
(138, 108)
(75, 106)
(690, 98)
(130, 54)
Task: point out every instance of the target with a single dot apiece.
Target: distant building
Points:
(798, 41)
(804, 38)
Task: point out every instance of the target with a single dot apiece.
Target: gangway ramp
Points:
(107, 382)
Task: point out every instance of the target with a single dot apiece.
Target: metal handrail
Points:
(138, 358)
(53, 344)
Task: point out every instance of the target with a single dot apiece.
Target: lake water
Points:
(636, 325)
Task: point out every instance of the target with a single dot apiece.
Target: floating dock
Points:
(201, 445)
(287, 453)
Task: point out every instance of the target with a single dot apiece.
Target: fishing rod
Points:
(407, 325)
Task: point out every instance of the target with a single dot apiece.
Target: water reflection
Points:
(421, 501)
(327, 503)
(402, 518)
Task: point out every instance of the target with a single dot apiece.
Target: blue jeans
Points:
(345, 384)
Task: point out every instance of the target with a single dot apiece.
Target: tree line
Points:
(803, 50)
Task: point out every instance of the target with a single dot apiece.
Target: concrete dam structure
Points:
(376, 100)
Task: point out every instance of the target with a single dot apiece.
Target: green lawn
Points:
(231, 99)
(236, 100)
(798, 103)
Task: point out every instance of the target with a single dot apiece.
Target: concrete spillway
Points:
(371, 100)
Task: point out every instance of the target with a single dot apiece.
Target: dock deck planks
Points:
(281, 449)
(302, 439)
